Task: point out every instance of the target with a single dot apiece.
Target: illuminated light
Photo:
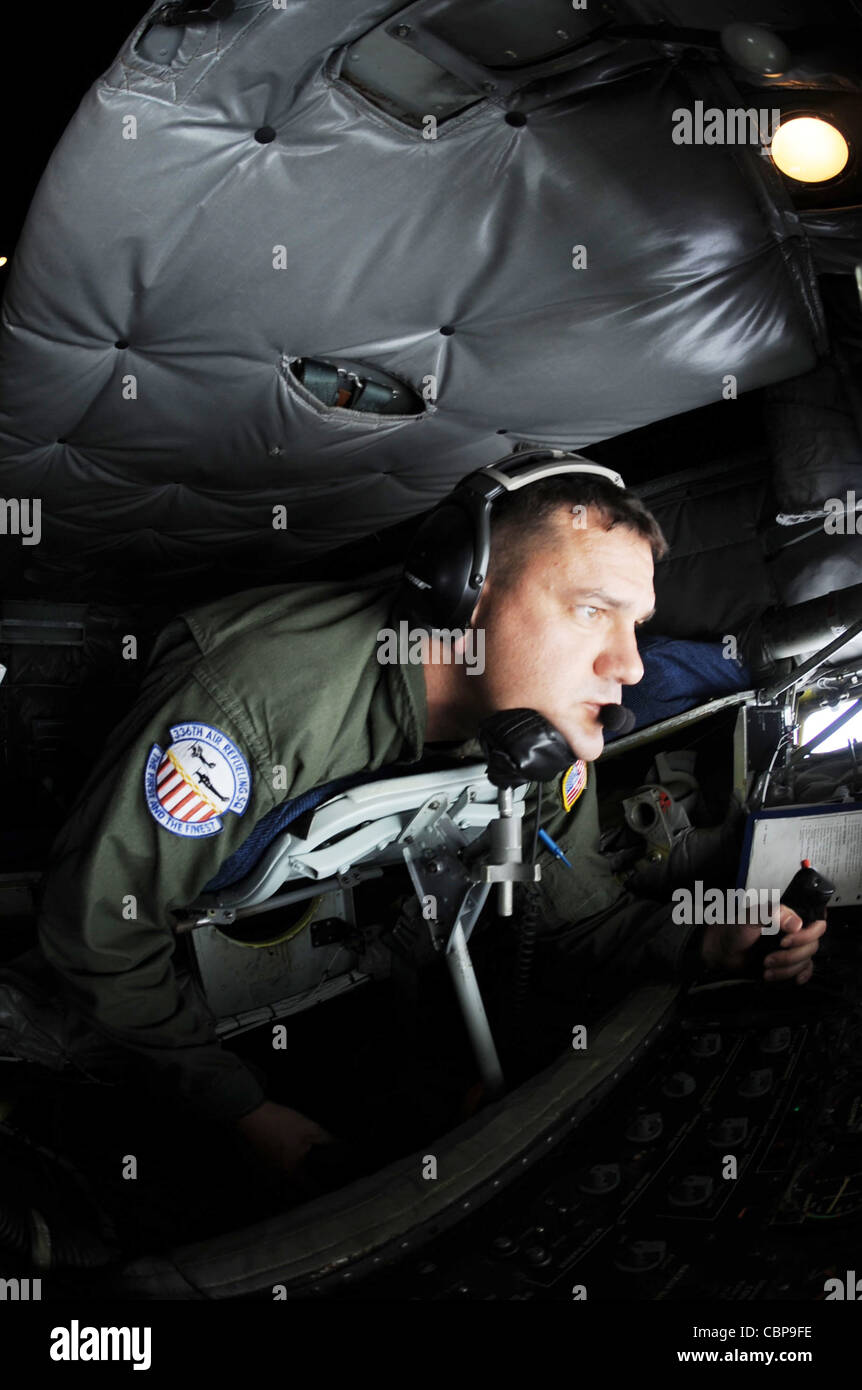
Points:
(819, 718)
(3, 260)
(809, 150)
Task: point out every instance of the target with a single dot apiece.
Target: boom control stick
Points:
(807, 894)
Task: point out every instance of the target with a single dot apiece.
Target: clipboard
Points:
(778, 839)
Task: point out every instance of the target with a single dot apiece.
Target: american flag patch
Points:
(178, 795)
(573, 783)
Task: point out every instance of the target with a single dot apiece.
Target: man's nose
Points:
(620, 660)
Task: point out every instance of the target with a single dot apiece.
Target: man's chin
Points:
(587, 740)
(590, 755)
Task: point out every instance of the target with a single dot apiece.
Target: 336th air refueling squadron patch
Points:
(573, 783)
(194, 781)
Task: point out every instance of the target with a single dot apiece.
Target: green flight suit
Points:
(290, 676)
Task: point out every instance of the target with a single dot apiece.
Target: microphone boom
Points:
(617, 719)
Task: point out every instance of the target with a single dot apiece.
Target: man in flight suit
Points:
(268, 694)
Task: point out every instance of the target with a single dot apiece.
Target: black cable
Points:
(529, 921)
(529, 926)
(540, 787)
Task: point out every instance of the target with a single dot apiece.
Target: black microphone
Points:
(617, 719)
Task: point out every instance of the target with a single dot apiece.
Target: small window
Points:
(818, 720)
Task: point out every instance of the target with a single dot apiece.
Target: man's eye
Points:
(589, 611)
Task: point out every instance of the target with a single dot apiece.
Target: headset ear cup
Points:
(439, 568)
(449, 556)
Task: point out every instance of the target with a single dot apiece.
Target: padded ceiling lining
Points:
(163, 283)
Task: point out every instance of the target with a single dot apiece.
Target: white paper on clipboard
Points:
(829, 836)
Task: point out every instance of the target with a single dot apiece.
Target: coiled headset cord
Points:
(528, 924)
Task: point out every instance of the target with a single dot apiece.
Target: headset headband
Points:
(535, 473)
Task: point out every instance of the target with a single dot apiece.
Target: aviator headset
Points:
(449, 557)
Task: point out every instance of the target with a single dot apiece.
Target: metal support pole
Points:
(508, 840)
(467, 989)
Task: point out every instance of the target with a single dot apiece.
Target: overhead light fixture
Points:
(3, 260)
(809, 149)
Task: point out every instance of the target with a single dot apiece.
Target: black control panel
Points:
(727, 1165)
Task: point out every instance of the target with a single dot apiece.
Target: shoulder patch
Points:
(195, 780)
(573, 783)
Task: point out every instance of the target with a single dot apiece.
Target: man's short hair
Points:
(519, 519)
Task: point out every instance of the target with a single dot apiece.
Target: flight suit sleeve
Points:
(587, 913)
(116, 873)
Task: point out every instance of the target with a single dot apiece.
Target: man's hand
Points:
(725, 948)
(281, 1137)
